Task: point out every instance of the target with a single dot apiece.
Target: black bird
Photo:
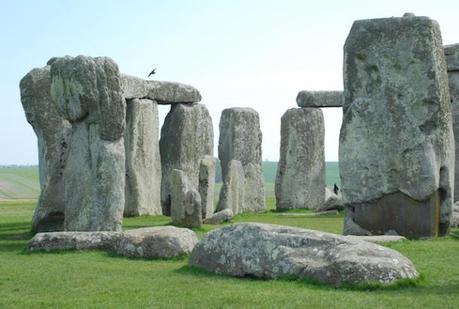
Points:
(335, 189)
(152, 72)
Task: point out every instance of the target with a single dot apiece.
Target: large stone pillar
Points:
(452, 61)
(53, 134)
(240, 139)
(396, 153)
(143, 163)
(87, 93)
(186, 138)
(300, 180)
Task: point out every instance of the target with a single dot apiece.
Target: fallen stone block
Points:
(220, 217)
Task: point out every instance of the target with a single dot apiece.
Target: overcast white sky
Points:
(237, 53)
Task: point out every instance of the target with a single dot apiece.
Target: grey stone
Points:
(206, 185)
(53, 135)
(157, 242)
(307, 98)
(300, 180)
(143, 163)
(452, 60)
(220, 217)
(87, 93)
(159, 91)
(396, 154)
(240, 139)
(274, 251)
(185, 201)
(186, 138)
(332, 201)
(59, 241)
(455, 215)
(376, 238)
(233, 189)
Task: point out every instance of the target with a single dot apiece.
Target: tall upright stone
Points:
(206, 185)
(143, 163)
(186, 138)
(185, 201)
(240, 139)
(87, 93)
(396, 155)
(452, 61)
(53, 134)
(300, 180)
(232, 193)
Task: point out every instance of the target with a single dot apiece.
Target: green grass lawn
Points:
(94, 279)
(19, 182)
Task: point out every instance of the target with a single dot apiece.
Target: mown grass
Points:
(102, 280)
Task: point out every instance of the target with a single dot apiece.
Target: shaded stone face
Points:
(186, 138)
(452, 61)
(53, 134)
(320, 98)
(143, 163)
(87, 93)
(206, 185)
(240, 139)
(232, 193)
(185, 201)
(396, 136)
(300, 181)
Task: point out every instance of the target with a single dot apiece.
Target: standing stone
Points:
(233, 189)
(240, 139)
(206, 185)
(452, 61)
(186, 137)
(185, 201)
(143, 163)
(396, 143)
(53, 134)
(87, 93)
(300, 181)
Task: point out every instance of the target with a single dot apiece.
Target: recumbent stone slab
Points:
(274, 251)
(307, 98)
(300, 180)
(396, 153)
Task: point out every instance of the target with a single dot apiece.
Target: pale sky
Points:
(237, 53)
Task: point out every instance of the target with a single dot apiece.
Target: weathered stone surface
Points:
(332, 201)
(58, 241)
(143, 163)
(159, 91)
(240, 139)
(300, 180)
(274, 251)
(157, 242)
(185, 201)
(220, 217)
(396, 143)
(455, 216)
(53, 135)
(186, 138)
(320, 98)
(87, 93)
(452, 61)
(233, 189)
(376, 238)
(206, 185)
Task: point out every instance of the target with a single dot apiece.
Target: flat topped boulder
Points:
(160, 91)
(275, 251)
(157, 242)
(307, 98)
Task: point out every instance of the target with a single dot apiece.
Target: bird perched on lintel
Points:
(152, 72)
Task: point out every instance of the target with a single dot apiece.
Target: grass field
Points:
(23, 182)
(100, 280)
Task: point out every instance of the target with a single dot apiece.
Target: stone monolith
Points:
(206, 185)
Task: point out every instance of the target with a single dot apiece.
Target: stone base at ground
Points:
(274, 251)
(220, 217)
(157, 242)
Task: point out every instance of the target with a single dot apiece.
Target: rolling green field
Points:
(23, 182)
(91, 279)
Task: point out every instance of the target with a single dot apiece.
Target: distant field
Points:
(23, 182)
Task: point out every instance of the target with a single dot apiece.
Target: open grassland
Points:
(102, 280)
